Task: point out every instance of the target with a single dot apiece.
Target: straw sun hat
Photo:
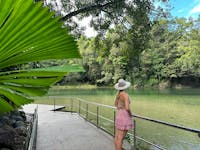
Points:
(122, 84)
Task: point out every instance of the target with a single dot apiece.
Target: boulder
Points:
(15, 130)
(23, 115)
(21, 130)
(10, 139)
(18, 124)
(5, 120)
(7, 136)
(17, 118)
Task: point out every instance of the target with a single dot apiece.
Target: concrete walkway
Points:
(67, 131)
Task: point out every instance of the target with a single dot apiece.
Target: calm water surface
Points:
(180, 107)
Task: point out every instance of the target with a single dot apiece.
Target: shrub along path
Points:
(67, 131)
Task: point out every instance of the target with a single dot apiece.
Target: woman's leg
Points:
(116, 138)
(119, 136)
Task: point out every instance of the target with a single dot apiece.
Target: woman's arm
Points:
(116, 100)
(127, 104)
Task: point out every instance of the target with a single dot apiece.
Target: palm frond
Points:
(29, 32)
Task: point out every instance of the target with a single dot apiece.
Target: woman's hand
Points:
(129, 112)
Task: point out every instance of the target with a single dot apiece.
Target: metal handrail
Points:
(150, 143)
(114, 108)
(146, 118)
(168, 124)
(97, 104)
(81, 101)
(106, 119)
(32, 141)
(134, 116)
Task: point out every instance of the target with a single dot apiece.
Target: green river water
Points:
(176, 106)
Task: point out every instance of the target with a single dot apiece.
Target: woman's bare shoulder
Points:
(124, 95)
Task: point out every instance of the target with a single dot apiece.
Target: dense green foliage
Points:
(167, 53)
(144, 46)
(115, 53)
(29, 32)
(105, 13)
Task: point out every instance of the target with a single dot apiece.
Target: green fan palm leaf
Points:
(5, 106)
(30, 32)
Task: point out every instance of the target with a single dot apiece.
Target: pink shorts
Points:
(123, 120)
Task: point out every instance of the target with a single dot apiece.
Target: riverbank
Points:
(162, 86)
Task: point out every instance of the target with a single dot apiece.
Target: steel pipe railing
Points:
(80, 101)
(168, 124)
(32, 141)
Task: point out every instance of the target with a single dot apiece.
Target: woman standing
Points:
(123, 121)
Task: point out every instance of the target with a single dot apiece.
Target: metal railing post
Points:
(134, 135)
(114, 122)
(97, 116)
(54, 104)
(71, 105)
(86, 111)
(79, 107)
(33, 136)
